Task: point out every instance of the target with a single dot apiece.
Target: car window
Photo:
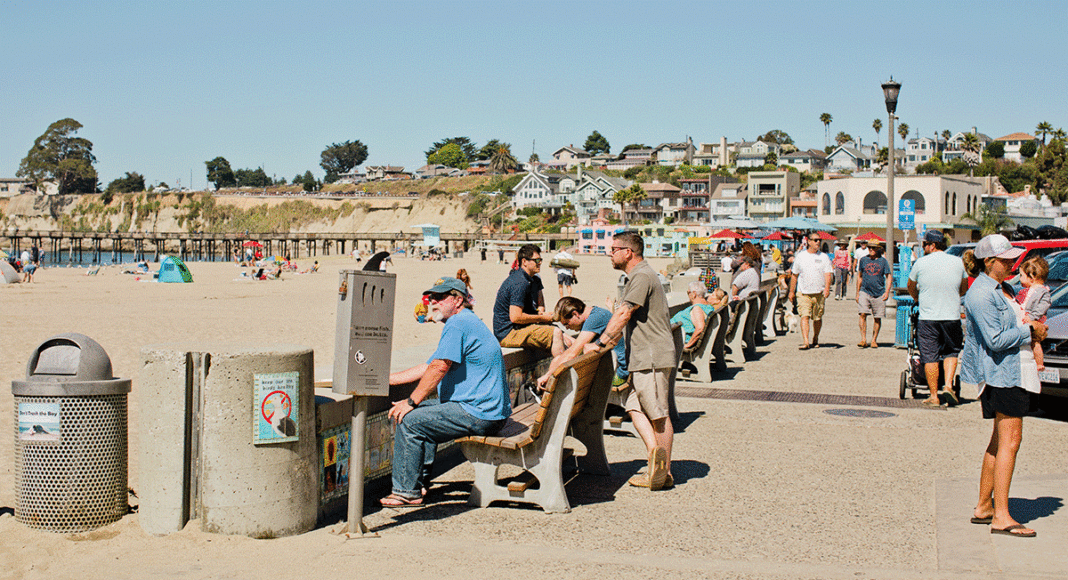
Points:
(1058, 266)
(1059, 298)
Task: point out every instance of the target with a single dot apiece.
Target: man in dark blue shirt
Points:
(519, 318)
(873, 289)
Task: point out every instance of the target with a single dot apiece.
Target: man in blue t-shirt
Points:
(873, 289)
(590, 321)
(519, 318)
(467, 371)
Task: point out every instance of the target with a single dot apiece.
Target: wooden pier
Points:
(221, 247)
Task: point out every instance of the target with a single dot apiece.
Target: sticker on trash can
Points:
(39, 422)
(274, 408)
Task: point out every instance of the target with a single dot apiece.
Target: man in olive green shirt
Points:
(643, 312)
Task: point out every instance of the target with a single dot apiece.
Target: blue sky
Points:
(161, 87)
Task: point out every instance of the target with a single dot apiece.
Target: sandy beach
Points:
(763, 489)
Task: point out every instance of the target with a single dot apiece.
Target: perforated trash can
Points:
(905, 307)
(70, 438)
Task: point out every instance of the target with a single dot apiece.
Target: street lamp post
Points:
(891, 89)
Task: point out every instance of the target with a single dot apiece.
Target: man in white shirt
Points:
(565, 277)
(811, 277)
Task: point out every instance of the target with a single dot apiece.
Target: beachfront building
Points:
(1013, 142)
(12, 186)
(955, 145)
(662, 199)
(714, 154)
(921, 150)
(567, 157)
(857, 205)
(847, 158)
(674, 154)
(728, 201)
(631, 158)
(803, 205)
(387, 173)
(437, 170)
(593, 192)
(769, 192)
(810, 160)
(596, 237)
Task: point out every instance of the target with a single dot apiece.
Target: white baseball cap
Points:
(996, 246)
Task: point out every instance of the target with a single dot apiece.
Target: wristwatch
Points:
(411, 403)
(599, 343)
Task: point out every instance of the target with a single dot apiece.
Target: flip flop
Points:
(933, 405)
(1009, 531)
(953, 400)
(983, 520)
(397, 501)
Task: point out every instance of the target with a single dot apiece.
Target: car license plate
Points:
(1050, 376)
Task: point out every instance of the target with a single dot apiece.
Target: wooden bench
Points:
(538, 436)
(616, 396)
(702, 356)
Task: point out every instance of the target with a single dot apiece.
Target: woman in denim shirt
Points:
(997, 357)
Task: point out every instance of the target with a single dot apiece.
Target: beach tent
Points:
(171, 269)
(10, 276)
(869, 236)
(798, 223)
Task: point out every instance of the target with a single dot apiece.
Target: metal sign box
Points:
(364, 338)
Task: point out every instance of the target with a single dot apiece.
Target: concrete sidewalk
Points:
(764, 489)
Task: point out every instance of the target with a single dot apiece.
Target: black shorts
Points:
(939, 339)
(1010, 401)
(564, 279)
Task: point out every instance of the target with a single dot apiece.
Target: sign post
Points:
(363, 346)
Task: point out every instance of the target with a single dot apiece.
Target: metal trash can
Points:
(70, 438)
(906, 306)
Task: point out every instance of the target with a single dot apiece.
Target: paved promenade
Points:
(764, 489)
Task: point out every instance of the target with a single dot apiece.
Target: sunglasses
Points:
(614, 249)
(438, 297)
(535, 260)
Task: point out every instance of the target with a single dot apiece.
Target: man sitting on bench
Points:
(467, 370)
(590, 321)
(519, 318)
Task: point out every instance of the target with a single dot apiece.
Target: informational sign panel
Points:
(39, 422)
(274, 407)
(906, 214)
(364, 335)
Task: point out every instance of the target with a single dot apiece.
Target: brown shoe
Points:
(642, 480)
(658, 468)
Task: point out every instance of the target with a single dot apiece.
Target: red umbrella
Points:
(825, 236)
(867, 237)
(252, 244)
(776, 236)
(728, 234)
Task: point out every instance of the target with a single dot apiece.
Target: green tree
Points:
(996, 149)
(596, 144)
(502, 160)
(878, 126)
(220, 174)
(633, 194)
(776, 136)
(771, 159)
(252, 178)
(883, 156)
(309, 181)
(989, 219)
(130, 183)
(1059, 133)
(1028, 149)
(826, 119)
(1044, 128)
(1052, 173)
(534, 158)
(634, 146)
(903, 130)
(59, 156)
(946, 134)
(971, 143)
(842, 137)
(467, 148)
(341, 158)
(449, 155)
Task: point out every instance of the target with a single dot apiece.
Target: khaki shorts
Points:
(868, 304)
(649, 393)
(810, 306)
(535, 335)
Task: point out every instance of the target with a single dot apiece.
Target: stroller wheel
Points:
(904, 384)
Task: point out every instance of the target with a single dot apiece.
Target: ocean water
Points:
(63, 259)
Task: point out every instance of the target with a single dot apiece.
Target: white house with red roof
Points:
(1013, 142)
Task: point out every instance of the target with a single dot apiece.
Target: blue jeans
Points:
(418, 436)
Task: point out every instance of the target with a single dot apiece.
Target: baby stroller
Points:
(914, 377)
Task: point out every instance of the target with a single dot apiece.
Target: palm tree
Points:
(971, 146)
(946, 135)
(878, 126)
(842, 137)
(1044, 128)
(826, 120)
(502, 160)
(1058, 134)
(903, 130)
(633, 194)
(989, 219)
